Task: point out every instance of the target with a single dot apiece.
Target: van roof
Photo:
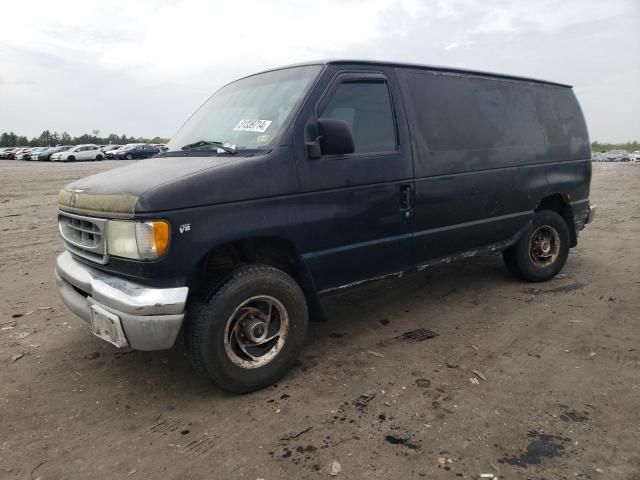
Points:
(426, 67)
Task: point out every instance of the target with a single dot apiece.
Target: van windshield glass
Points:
(249, 114)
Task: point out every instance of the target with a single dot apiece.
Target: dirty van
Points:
(299, 181)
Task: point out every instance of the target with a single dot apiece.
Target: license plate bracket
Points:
(107, 326)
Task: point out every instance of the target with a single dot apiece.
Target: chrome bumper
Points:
(592, 214)
(151, 317)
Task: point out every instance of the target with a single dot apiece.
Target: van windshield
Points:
(249, 114)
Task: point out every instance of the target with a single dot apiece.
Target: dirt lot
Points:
(560, 397)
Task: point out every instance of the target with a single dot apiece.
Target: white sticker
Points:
(263, 139)
(252, 125)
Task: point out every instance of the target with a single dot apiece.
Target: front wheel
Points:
(129, 156)
(247, 333)
(542, 251)
(98, 157)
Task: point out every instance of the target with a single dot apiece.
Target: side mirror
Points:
(335, 138)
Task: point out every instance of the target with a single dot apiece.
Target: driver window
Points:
(366, 106)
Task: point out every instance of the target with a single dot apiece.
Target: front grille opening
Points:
(84, 236)
(84, 232)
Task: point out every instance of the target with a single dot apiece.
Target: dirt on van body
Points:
(451, 373)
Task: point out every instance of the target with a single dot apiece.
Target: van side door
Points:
(357, 208)
(467, 132)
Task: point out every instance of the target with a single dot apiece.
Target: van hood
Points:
(171, 183)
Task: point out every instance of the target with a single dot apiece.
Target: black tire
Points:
(207, 320)
(71, 158)
(99, 157)
(531, 263)
(129, 156)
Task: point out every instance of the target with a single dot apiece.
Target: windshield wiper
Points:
(205, 143)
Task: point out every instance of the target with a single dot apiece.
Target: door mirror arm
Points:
(314, 148)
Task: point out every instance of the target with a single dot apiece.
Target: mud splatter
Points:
(574, 417)
(542, 446)
(404, 441)
(566, 288)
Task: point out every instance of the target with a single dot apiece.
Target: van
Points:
(299, 181)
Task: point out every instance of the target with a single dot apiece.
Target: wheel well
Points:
(276, 252)
(560, 204)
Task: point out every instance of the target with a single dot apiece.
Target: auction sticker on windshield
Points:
(252, 125)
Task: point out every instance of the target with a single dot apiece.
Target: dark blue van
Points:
(298, 181)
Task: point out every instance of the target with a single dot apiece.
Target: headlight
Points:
(137, 240)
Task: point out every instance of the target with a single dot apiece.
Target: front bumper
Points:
(151, 317)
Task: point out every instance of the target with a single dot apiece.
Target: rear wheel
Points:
(248, 331)
(98, 157)
(129, 156)
(543, 249)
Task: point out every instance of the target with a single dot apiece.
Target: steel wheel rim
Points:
(256, 331)
(544, 246)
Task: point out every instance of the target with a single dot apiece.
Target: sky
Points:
(142, 67)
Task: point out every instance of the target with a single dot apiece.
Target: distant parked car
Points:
(617, 156)
(111, 154)
(47, 152)
(34, 151)
(635, 156)
(4, 151)
(55, 157)
(11, 154)
(24, 153)
(79, 152)
(106, 148)
(136, 151)
(8, 152)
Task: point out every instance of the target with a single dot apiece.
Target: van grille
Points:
(84, 236)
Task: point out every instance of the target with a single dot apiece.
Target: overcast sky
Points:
(141, 67)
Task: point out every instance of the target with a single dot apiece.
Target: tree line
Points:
(47, 138)
(605, 147)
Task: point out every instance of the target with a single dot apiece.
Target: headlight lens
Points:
(138, 240)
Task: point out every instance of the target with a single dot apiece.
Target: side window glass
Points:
(366, 106)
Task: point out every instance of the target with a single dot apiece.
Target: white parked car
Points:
(106, 148)
(635, 156)
(111, 153)
(79, 152)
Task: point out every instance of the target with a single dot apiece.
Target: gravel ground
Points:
(520, 380)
